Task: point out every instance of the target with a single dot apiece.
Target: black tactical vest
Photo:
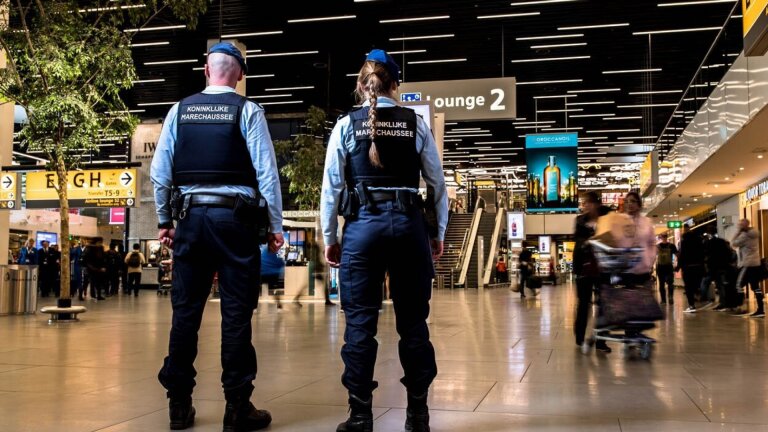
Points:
(210, 147)
(396, 144)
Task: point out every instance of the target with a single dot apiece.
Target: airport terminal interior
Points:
(540, 111)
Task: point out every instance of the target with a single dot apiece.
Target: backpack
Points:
(134, 260)
(664, 256)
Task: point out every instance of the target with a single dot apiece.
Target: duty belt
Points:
(212, 201)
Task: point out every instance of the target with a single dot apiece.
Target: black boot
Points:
(182, 413)
(417, 414)
(360, 416)
(241, 416)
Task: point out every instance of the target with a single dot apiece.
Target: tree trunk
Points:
(61, 172)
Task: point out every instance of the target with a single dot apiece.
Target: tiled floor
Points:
(504, 364)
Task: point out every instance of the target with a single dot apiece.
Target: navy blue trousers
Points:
(393, 241)
(209, 240)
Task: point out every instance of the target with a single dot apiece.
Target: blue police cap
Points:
(381, 56)
(230, 50)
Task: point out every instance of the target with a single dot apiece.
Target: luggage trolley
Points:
(166, 280)
(627, 307)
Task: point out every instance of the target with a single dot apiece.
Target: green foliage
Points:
(305, 156)
(68, 62)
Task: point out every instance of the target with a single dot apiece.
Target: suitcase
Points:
(533, 282)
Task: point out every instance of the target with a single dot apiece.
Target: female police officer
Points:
(375, 157)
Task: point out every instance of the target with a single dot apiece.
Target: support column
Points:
(241, 84)
(6, 155)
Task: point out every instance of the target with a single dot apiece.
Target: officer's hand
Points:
(333, 255)
(275, 241)
(437, 249)
(165, 236)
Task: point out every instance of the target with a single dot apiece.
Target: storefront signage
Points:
(8, 191)
(485, 184)
(474, 99)
(757, 191)
(674, 224)
(92, 188)
(755, 26)
(116, 216)
(552, 182)
(516, 226)
(301, 213)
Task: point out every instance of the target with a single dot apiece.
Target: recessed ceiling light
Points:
(595, 90)
(438, 61)
(554, 97)
(559, 45)
(687, 30)
(727, 178)
(169, 62)
(438, 36)
(648, 105)
(759, 156)
(563, 36)
(262, 76)
(625, 118)
(328, 18)
(239, 35)
(549, 59)
(157, 80)
(282, 54)
(597, 26)
(741, 169)
(512, 15)
(591, 115)
(158, 28)
(591, 103)
(414, 51)
(563, 81)
(427, 18)
(656, 92)
(611, 72)
(147, 44)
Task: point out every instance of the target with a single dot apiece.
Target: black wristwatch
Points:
(165, 225)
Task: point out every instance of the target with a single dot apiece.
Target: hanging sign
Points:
(91, 188)
(9, 194)
(473, 99)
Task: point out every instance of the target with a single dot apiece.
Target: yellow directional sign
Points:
(93, 188)
(8, 191)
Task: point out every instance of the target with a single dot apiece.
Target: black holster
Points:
(430, 213)
(179, 204)
(253, 211)
(349, 206)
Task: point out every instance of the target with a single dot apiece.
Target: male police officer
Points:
(216, 149)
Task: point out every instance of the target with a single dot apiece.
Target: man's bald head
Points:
(222, 69)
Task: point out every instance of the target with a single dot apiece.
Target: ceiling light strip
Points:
(595, 90)
(328, 18)
(241, 35)
(415, 19)
(563, 81)
(686, 30)
(564, 36)
(549, 59)
(167, 62)
(437, 36)
(626, 71)
(290, 88)
(283, 54)
(438, 61)
(512, 15)
(559, 45)
(596, 26)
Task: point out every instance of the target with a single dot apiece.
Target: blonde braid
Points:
(373, 152)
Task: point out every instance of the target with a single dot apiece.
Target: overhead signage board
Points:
(9, 191)
(516, 226)
(92, 188)
(474, 99)
(755, 23)
(649, 173)
(552, 180)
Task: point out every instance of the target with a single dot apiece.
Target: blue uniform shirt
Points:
(253, 124)
(342, 142)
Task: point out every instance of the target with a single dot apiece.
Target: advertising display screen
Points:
(50, 237)
(516, 226)
(545, 244)
(552, 180)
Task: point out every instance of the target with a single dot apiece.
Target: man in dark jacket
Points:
(691, 262)
(585, 266)
(95, 263)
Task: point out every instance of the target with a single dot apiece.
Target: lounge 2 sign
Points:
(476, 99)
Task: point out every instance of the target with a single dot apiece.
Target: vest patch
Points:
(393, 129)
(208, 113)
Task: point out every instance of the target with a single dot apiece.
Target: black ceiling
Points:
(489, 45)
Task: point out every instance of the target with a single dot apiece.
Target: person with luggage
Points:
(666, 253)
(214, 171)
(585, 266)
(134, 260)
(747, 242)
(376, 156)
